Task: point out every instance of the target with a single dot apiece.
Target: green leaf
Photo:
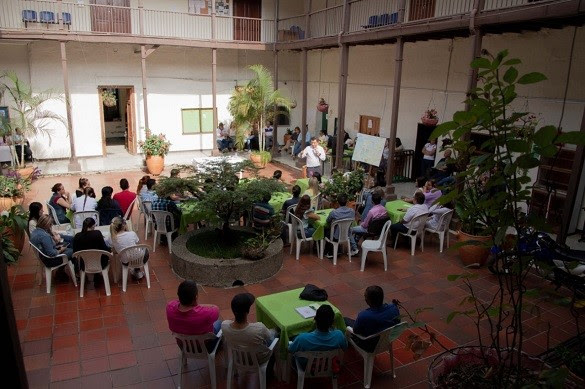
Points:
(545, 136)
(527, 162)
(511, 75)
(531, 78)
(518, 146)
(572, 137)
(462, 117)
(453, 277)
(513, 61)
(452, 316)
(532, 293)
(443, 129)
(481, 63)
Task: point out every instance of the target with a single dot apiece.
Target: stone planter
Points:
(223, 272)
(155, 164)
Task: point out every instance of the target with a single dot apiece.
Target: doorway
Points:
(117, 112)
(110, 16)
(247, 14)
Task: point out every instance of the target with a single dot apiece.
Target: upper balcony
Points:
(369, 20)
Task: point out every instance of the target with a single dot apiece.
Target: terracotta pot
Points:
(25, 171)
(473, 255)
(323, 108)
(429, 122)
(155, 164)
(7, 202)
(257, 161)
(286, 138)
(17, 238)
(304, 171)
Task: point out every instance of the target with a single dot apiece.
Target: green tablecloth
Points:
(191, 213)
(348, 153)
(278, 199)
(278, 310)
(392, 208)
(303, 183)
(320, 224)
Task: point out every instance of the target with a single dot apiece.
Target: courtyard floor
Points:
(123, 340)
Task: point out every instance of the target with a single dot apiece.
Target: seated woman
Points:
(91, 239)
(83, 183)
(61, 202)
(108, 207)
(306, 213)
(313, 192)
(35, 210)
(85, 202)
(42, 238)
(142, 185)
(122, 238)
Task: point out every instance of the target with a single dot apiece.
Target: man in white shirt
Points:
(315, 155)
(222, 137)
(268, 131)
(417, 209)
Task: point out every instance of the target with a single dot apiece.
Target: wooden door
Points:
(421, 9)
(111, 16)
(130, 128)
(370, 125)
(247, 21)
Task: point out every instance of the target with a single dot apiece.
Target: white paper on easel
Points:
(369, 149)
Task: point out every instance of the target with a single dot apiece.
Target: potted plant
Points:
(260, 158)
(322, 106)
(287, 135)
(29, 117)
(255, 103)
(12, 189)
(13, 223)
(430, 118)
(155, 146)
(109, 98)
(497, 183)
(349, 184)
(472, 233)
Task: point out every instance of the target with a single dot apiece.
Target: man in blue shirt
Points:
(376, 318)
(323, 338)
(343, 212)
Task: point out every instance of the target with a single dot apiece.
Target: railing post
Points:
(401, 11)
(141, 17)
(304, 106)
(308, 4)
(342, 95)
(60, 14)
(213, 20)
(276, 109)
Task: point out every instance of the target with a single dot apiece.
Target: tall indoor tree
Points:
(28, 115)
(256, 102)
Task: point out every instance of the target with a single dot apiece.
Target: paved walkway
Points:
(123, 340)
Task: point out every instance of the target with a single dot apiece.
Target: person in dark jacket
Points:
(107, 207)
(91, 239)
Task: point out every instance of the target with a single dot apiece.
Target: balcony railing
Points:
(364, 15)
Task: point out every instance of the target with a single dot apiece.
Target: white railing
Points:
(368, 14)
(498, 4)
(326, 22)
(292, 28)
(176, 25)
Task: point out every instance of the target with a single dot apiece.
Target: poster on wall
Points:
(203, 7)
(369, 149)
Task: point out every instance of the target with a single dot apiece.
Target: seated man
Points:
(417, 209)
(187, 317)
(378, 317)
(444, 167)
(324, 338)
(241, 332)
(296, 192)
(125, 197)
(262, 212)
(343, 212)
(376, 212)
(167, 204)
(436, 214)
(150, 194)
(368, 200)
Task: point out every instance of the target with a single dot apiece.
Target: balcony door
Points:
(421, 9)
(247, 29)
(110, 16)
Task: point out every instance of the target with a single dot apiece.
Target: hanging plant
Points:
(322, 106)
(109, 98)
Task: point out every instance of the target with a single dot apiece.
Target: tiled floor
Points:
(123, 340)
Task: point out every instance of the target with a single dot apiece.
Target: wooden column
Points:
(276, 109)
(141, 17)
(304, 107)
(143, 56)
(214, 96)
(74, 165)
(394, 118)
(342, 93)
(477, 37)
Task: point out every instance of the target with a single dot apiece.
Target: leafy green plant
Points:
(265, 156)
(109, 98)
(28, 115)
(256, 102)
(255, 248)
(491, 191)
(12, 223)
(339, 183)
(14, 185)
(155, 144)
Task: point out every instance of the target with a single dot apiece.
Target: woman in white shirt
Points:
(122, 238)
(428, 159)
(85, 202)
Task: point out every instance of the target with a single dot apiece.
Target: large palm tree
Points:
(257, 101)
(28, 118)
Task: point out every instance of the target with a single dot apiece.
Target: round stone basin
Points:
(223, 272)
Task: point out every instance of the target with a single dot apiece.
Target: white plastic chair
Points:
(343, 227)
(54, 214)
(133, 257)
(442, 229)
(319, 364)
(245, 358)
(387, 336)
(146, 211)
(193, 346)
(416, 229)
(79, 217)
(376, 245)
(160, 218)
(92, 260)
(299, 230)
(49, 270)
(287, 221)
(130, 208)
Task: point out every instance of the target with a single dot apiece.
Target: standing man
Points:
(268, 131)
(125, 197)
(315, 155)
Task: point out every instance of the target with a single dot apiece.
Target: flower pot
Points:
(473, 255)
(7, 202)
(17, 238)
(25, 172)
(323, 108)
(257, 161)
(445, 362)
(286, 138)
(155, 164)
(429, 122)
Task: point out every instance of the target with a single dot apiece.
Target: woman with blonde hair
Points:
(42, 238)
(313, 192)
(123, 238)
